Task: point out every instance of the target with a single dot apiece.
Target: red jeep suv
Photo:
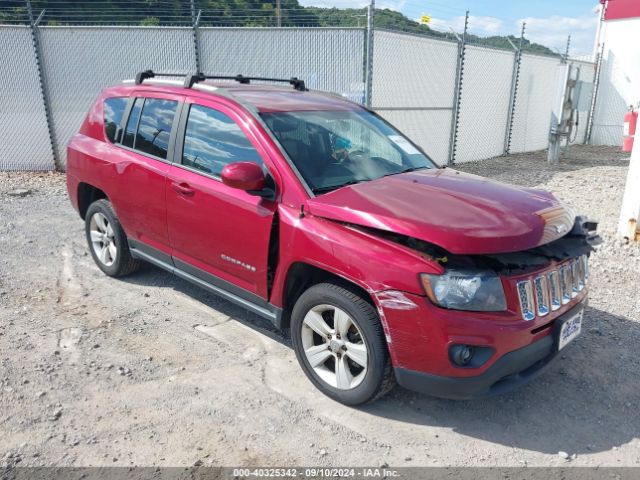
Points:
(318, 215)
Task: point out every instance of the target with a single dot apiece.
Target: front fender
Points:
(373, 263)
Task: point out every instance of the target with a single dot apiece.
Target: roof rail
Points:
(191, 79)
(142, 76)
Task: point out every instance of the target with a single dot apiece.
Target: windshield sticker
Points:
(404, 144)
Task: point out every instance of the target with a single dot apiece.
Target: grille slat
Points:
(554, 290)
(525, 294)
(578, 284)
(585, 268)
(542, 295)
(578, 274)
(566, 283)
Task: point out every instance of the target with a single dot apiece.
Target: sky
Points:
(549, 22)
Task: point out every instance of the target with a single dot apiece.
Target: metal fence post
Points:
(599, 52)
(369, 60)
(35, 38)
(594, 96)
(567, 49)
(457, 96)
(195, 23)
(515, 78)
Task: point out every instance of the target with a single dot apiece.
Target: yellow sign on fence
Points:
(425, 19)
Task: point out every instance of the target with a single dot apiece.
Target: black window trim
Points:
(172, 136)
(135, 135)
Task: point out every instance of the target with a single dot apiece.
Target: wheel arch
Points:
(301, 276)
(87, 194)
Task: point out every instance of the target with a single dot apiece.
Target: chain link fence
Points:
(23, 126)
(79, 61)
(328, 59)
(538, 84)
(414, 81)
(458, 102)
(586, 76)
(485, 100)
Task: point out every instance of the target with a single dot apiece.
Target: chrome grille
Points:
(553, 289)
(525, 294)
(542, 295)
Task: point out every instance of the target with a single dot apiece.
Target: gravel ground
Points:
(149, 370)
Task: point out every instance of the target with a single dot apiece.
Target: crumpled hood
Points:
(462, 213)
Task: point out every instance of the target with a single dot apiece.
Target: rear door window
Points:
(113, 111)
(149, 126)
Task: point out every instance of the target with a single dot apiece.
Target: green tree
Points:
(240, 13)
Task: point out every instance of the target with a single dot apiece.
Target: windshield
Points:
(331, 149)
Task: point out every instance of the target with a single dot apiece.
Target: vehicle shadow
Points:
(150, 275)
(586, 401)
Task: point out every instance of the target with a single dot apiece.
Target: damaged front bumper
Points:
(508, 372)
(435, 350)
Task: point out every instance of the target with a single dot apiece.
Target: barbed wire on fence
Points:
(413, 72)
(179, 13)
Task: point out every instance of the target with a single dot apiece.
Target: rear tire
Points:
(340, 344)
(107, 241)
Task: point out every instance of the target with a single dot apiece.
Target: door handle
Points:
(183, 189)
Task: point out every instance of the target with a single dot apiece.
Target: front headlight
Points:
(465, 290)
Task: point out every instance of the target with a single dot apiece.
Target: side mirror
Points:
(247, 176)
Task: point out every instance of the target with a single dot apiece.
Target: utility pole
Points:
(278, 14)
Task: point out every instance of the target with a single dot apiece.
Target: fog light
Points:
(461, 355)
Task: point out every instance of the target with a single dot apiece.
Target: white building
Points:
(619, 87)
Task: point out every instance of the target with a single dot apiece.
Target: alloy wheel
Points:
(103, 239)
(334, 346)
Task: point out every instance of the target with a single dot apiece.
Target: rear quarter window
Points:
(113, 111)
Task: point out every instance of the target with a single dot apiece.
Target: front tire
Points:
(107, 240)
(340, 344)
